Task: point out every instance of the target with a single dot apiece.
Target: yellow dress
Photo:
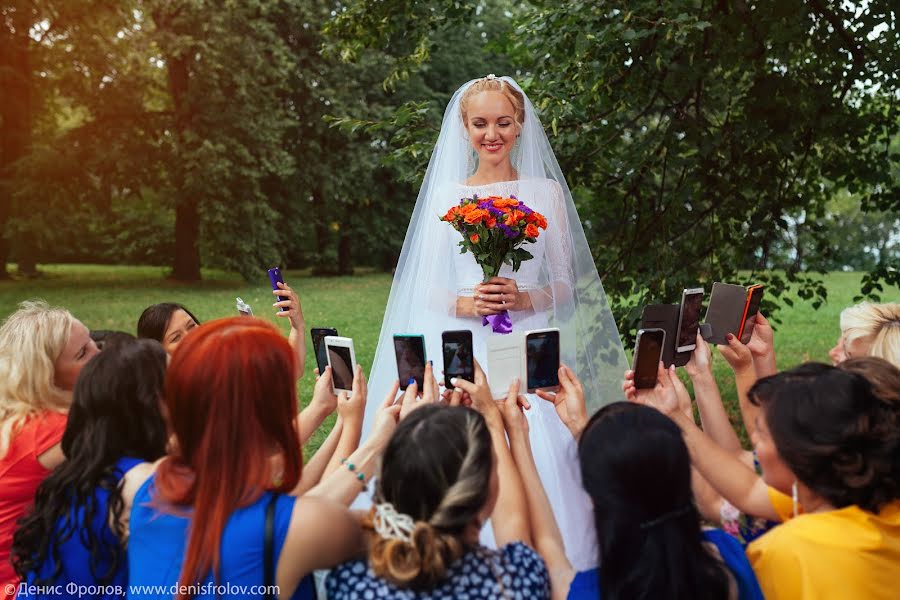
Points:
(841, 554)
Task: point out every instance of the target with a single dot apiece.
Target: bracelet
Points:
(359, 475)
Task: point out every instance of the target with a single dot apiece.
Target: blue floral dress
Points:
(513, 572)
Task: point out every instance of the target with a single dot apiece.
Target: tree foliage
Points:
(692, 132)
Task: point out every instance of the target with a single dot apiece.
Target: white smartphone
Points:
(689, 319)
(505, 361)
(342, 360)
(541, 366)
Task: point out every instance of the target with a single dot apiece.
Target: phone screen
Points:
(341, 367)
(753, 303)
(318, 338)
(646, 357)
(542, 359)
(689, 321)
(410, 352)
(458, 358)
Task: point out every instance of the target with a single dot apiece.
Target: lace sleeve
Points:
(558, 245)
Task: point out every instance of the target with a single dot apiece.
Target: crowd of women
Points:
(172, 465)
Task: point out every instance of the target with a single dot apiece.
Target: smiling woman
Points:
(42, 351)
(167, 323)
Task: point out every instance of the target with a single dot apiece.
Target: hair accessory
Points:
(674, 514)
(352, 468)
(392, 525)
(491, 77)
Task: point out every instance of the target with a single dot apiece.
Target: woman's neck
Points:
(493, 173)
(812, 502)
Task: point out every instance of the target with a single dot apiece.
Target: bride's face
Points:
(492, 127)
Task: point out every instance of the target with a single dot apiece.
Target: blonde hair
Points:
(878, 324)
(490, 84)
(31, 339)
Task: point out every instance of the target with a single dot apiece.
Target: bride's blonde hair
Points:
(493, 84)
(31, 339)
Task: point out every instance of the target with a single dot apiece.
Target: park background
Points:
(172, 150)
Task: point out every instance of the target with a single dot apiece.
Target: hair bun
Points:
(420, 563)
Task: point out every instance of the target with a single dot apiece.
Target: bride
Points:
(492, 144)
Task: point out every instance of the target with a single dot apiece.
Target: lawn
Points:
(105, 297)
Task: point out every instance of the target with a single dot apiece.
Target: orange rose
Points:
(540, 221)
(475, 216)
(491, 222)
(466, 208)
(505, 202)
(451, 214)
(474, 238)
(513, 218)
(531, 231)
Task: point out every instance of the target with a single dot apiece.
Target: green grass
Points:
(105, 297)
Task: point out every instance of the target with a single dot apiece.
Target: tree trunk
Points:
(187, 214)
(187, 250)
(345, 253)
(15, 115)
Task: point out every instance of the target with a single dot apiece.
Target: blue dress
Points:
(158, 540)
(586, 585)
(514, 571)
(76, 575)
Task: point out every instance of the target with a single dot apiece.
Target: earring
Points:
(794, 496)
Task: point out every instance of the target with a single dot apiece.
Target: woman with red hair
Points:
(216, 516)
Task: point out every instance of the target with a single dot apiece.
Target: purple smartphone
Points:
(275, 277)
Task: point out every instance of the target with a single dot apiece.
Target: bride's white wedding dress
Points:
(561, 281)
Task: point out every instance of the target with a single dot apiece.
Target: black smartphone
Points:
(689, 319)
(318, 335)
(647, 352)
(410, 353)
(754, 298)
(542, 359)
(459, 361)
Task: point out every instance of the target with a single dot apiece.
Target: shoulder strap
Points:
(269, 548)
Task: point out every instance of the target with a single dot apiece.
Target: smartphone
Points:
(318, 335)
(689, 319)
(410, 353)
(342, 360)
(505, 359)
(647, 352)
(276, 278)
(748, 321)
(244, 308)
(459, 360)
(542, 358)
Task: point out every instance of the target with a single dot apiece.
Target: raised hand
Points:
(323, 397)
(662, 397)
(701, 359)
(352, 408)
(762, 346)
(568, 401)
(294, 311)
(482, 399)
(386, 418)
(737, 354)
(512, 409)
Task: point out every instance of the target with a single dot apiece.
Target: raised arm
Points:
(294, 312)
(737, 482)
(713, 417)
(740, 358)
(545, 532)
(510, 516)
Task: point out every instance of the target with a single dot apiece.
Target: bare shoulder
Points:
(135, 477)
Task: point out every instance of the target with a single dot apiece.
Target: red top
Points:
(20, 476)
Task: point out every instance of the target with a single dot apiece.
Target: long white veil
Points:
(570, 295)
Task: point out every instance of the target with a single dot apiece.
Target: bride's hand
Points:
(499, 294)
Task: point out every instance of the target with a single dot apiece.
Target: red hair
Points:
(232, 403)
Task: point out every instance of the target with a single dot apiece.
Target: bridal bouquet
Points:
(494, 230)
